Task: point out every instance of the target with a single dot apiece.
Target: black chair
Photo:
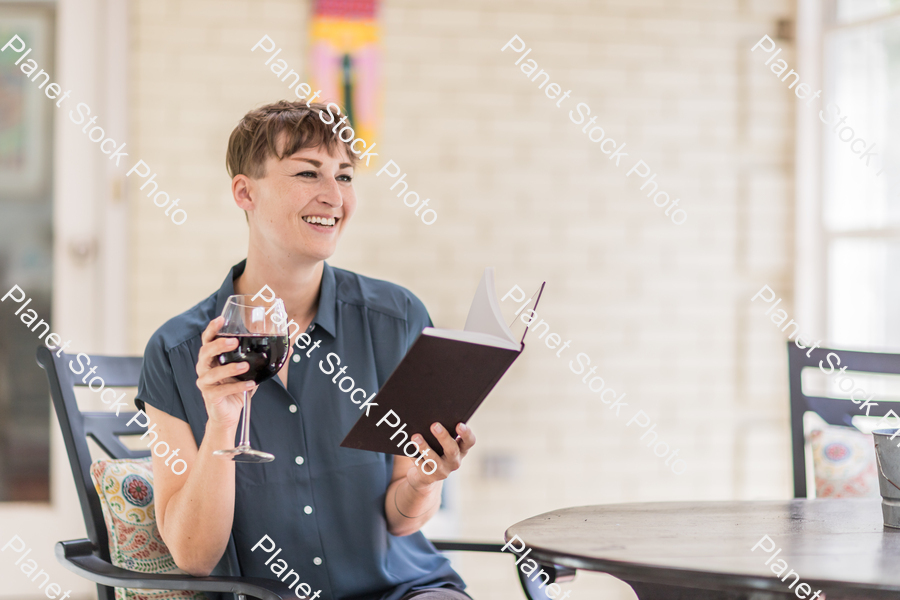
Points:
(834, 411)
(90, 557)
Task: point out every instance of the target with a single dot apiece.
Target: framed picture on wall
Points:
(24, 110)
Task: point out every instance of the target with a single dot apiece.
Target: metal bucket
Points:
(887, 454)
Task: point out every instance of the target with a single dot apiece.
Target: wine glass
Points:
(261, 330)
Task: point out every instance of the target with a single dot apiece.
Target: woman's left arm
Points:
(414, 497)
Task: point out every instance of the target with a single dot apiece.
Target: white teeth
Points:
(326, 221)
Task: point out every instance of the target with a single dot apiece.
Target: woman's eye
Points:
(346, 178)
(307, 174)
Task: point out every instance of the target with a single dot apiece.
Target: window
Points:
(860, 191)
(26, 251)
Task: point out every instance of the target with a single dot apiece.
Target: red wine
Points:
(265, 354)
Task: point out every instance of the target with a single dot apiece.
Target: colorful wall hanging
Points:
(346, 59)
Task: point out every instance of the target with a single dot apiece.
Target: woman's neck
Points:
(297, 283)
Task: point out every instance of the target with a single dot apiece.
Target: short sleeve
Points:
(156, 385)
(417, 319)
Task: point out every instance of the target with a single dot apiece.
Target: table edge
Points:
(692, 578)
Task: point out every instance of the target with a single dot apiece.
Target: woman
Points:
(346, 521)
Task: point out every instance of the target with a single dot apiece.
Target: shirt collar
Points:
(325, 317)
(227, 288)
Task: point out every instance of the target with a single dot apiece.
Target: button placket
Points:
(299, 460)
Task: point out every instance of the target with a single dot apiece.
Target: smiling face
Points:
(300, 207)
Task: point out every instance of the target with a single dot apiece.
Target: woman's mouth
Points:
(320, 221)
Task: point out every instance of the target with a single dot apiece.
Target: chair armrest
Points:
(560, 572)
(451, 545)
(557, 573)
(78, 556)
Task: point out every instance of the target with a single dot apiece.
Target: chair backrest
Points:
(835, 411)
(103, 427)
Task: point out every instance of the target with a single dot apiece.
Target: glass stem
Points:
(245, 422)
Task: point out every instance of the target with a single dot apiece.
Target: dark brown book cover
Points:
(439, 379)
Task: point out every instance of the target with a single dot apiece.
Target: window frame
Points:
(816, 21)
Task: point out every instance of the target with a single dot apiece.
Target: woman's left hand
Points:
(454, 452)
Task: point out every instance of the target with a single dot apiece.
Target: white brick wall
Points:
(662, 309)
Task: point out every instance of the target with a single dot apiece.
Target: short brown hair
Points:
(255, 137)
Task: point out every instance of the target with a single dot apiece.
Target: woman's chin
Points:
(317, 252)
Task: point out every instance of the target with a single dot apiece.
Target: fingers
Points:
(467, 438)
(453, 455)
(218, 375)
(212, 346)
(210, 350)
(451, 448)
(209, 334)
(230, 389)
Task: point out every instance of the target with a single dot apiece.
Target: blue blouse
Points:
(323, 505)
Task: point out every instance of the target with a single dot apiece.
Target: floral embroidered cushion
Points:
(844, 462)
(125, 488)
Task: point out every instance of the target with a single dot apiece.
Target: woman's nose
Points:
(330, 193)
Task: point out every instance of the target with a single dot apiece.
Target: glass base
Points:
(245, 454)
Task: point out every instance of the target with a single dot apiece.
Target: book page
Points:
(484, 314)
(472, 337)
(517, 326)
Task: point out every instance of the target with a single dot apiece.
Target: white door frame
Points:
(90, 254)
(810, 265)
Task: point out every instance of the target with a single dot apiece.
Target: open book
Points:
(444, 377)
(485, 324)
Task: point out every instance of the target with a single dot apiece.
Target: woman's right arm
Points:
(195, 510)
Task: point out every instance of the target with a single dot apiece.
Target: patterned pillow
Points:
(844, 462)
(125, 488)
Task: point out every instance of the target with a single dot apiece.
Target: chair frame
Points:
(90, 557)
(835, 411)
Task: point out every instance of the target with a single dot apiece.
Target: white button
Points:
(296, 357)
(307, 509)
(299, 460)
(317, 561)
(292, 408)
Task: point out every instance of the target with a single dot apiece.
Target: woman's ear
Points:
(244, 192)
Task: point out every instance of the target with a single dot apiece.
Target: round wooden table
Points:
(703, 550)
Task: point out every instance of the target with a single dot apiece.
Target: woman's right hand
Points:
(222, 393)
